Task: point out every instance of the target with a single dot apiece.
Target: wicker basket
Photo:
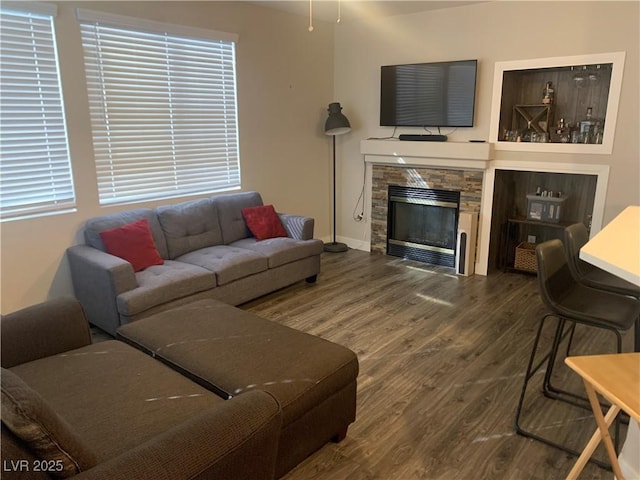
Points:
(526, 257)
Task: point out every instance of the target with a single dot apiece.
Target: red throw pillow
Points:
(263, 222)
(134, 243)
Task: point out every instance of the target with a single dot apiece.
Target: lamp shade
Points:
(337, 123)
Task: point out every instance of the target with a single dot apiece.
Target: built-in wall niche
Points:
(511, 188)
(560, 104)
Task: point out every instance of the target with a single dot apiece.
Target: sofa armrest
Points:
(297, 226)
(98, 278)
(237, 440)
(43, 330)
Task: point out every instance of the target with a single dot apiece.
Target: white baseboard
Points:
(355, 244)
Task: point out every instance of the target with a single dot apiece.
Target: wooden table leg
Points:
(601, 434)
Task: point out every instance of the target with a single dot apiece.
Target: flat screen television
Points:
(437, 94)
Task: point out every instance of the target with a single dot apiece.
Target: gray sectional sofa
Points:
(208, 252)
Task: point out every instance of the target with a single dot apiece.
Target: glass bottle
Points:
(563, 131)
(586, 127)
(597, 133)
(547, 94)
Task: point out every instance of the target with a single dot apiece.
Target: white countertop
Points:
(616, 248)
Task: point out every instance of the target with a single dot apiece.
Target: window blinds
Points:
(35, 170)
(163, 112)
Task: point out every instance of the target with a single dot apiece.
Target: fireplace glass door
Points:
(423, 224)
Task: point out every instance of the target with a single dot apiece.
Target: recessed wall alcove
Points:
(518, 90)
(510, 191)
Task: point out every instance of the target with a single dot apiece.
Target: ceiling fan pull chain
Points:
(311, 15)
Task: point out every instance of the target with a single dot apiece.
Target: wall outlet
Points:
(531, 239)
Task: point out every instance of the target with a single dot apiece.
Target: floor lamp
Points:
(336, 124)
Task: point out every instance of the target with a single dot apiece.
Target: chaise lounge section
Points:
(206, 250)
(233, 352)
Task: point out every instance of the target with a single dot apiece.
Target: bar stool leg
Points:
(532, 369)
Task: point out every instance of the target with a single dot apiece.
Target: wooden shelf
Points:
(526, 221)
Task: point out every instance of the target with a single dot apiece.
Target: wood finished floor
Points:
(442, 359)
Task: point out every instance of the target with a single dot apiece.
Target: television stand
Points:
(423, 138)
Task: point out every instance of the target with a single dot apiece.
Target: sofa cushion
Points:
(263, 222)
(229, 209)
(31, 419)
(163, 283)
(228, 262)
(132, 242)
(114, 396)
(238, 352)
(280, 251)
(189, 226)
(94, 226)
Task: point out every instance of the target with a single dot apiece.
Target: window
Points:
(163, 108)
(35, 171)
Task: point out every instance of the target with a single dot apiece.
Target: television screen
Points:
(438, 94)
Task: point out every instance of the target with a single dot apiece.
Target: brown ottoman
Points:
(230, 351)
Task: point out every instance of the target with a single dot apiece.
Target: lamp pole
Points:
(336, 124)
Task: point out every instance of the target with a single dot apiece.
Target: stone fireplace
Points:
(468, 183)
(458, 166)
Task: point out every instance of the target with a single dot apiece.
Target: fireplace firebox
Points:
(422, 224)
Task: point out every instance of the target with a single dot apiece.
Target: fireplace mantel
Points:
(467, 155)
